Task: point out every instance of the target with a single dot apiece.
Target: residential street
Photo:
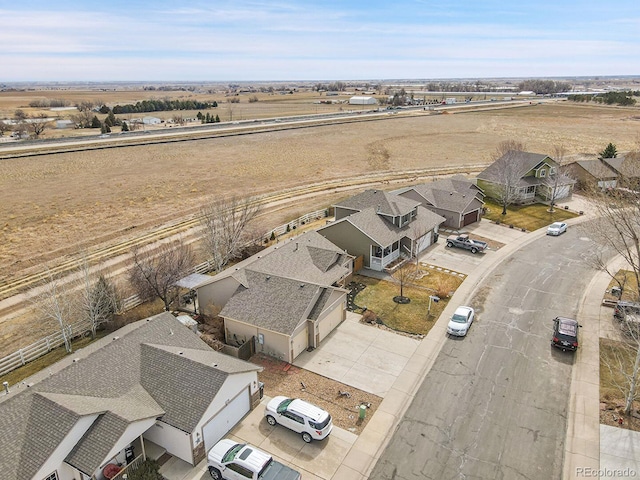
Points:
(494, 405)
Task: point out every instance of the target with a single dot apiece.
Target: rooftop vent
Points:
(116, 338)
(75, 360)
(6, 387)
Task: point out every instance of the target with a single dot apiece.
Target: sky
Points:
(284, 40)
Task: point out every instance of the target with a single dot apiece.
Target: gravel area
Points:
(281, 378)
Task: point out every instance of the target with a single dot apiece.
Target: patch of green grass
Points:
(411, 317)
(530, 217)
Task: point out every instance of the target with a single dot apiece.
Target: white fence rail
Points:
(42, 346)
(45, 345)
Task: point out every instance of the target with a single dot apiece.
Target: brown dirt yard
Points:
(55, 203)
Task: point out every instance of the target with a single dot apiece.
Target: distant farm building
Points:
(361, 100)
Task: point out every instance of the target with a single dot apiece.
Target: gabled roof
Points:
(597, 168)
(627, 166)
(309, 257)
(521, 163)
(136, 373)
(383, 232)
(381, 201)
(456, 194)
(275, 303)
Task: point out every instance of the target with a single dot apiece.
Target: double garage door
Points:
(226, 419)
(330, 322)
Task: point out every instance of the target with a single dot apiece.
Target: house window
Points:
(53, 476)
(531, 189)
(552, 171)
(543, 173)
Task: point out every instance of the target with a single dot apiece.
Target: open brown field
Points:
(58, 202)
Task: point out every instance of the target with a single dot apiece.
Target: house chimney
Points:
(6, 387)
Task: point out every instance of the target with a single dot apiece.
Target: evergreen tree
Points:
(95, 122)
(199, 116)
(125, 127)
(609, 152)
(110, 120)
(207, 119)
(217, 119)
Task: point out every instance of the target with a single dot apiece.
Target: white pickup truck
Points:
(229, 460)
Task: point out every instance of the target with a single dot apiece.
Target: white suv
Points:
(302, 417)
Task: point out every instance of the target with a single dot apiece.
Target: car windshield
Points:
(459, 318)
(232, 452)
(555, 226)
(284, 405)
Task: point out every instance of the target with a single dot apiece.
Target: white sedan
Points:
(557, 228)
(461, 321)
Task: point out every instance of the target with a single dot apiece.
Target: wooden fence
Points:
(45, 345)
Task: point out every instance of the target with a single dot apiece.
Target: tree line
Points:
(160, 106)
(623, 99)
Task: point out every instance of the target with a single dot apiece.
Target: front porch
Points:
(381, 257)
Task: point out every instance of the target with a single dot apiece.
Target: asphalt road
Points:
(494, 405)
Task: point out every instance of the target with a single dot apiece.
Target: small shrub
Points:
(273, 235)
(369, 317)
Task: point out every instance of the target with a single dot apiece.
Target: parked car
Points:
(460, 321)
(463, 241)
(312, 422)
(624, 307)
(565, 333)
(556, 228)
(230, 460)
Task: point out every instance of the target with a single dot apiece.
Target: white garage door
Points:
(226, 419)
(330, 322)
(423, 242)
(562, 192)
(300, 342)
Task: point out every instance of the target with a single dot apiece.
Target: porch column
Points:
(144, 454)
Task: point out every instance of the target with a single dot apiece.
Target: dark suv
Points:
(565, 333)
(624, 307)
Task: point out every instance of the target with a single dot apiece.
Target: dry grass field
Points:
(56, 203)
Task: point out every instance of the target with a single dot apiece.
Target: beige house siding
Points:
(217, 293)
(273, 343)
(351, 239)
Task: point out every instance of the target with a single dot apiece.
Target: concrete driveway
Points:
(363, 356)
(315, 460)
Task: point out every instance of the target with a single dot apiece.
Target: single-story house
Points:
(151, 120)
(153, 382)
(457, 199)
(593, 172)
(529, 176)
(379, 227)
(608, 172)
(362, 100)
(286, 298)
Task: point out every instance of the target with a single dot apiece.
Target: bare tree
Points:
(507, 180)
(555, 181)
(507, 146)
(98, 298)
(225, 231)
(403, 275)
(4, 127)
(53, 301)
(37, 124)
(156, 270)
(617, 229)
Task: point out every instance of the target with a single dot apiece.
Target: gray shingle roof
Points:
(133, 374)
(381, 201)
(522, 162)
(308, 257)
(597, 168)
(456, 194)
(271, 302)
(384, 233)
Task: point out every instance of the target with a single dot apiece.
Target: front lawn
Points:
(412, 317)
(530, 217)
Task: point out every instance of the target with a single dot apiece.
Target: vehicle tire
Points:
(474, 250)
(306, 437)
(215, 473)
(271, 421)
(449, 244)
